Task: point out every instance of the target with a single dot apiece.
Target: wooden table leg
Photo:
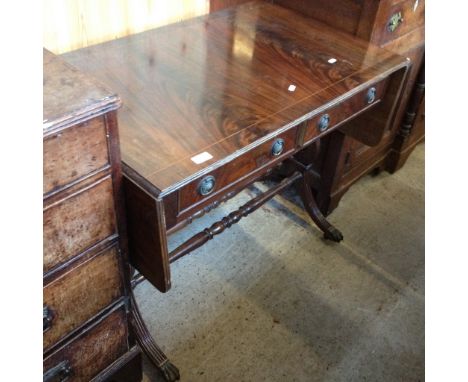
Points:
(150, 347)
(329, 231)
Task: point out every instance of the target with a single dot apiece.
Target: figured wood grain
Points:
(222, 81)
(74, 153)
(72, 225)
(95, 349)
(78, 295)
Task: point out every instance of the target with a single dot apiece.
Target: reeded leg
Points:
(149, 346)
(329, 231)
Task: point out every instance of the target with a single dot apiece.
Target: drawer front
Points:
(266, 154)
(74, 153)
(78, 222)
(399, 18)
(92, 351)
(78, 295)
(344, 111)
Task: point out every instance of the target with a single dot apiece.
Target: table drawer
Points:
(398, 18)
(74, 153)
(94, 349)
(212, 184)
(78, 295)
(76, 223)
(321, 123)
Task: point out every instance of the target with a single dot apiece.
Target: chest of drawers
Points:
(86, 330)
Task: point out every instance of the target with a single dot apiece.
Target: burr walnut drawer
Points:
(321, 123)
(214, 183)
(72, 154)
(83, 357)
(81, 293)
(78, 222)
(399, 18)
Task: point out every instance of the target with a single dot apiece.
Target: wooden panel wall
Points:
(73, 24)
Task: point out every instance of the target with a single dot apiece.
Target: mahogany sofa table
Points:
(215, 103)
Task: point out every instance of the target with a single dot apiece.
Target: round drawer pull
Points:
(60, 372)
(206, 185)
(371, 94)
(394, 22)
(278, 147)
(323, 123)
(47, 318)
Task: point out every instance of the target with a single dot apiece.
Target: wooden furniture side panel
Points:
(147, 240)
(347, 109)
(95, 348)
(342, 14)
(74, 153)
(80, 294)
(78, 222)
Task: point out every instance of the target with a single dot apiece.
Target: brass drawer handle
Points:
(371, 95)
(47, 319)
(394, 22)
(59, 373)
(206, 185)
(323, 123)
(278, 147)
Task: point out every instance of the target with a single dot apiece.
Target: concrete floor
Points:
(270, 300)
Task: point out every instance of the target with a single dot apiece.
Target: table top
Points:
(223, 83)
(70, 95)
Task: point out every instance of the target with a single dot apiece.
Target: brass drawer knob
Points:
(59, 373)
(371, 94)
(394, 22)
(323, 123)
(278, 147)
(206, 185)
(47, 318)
